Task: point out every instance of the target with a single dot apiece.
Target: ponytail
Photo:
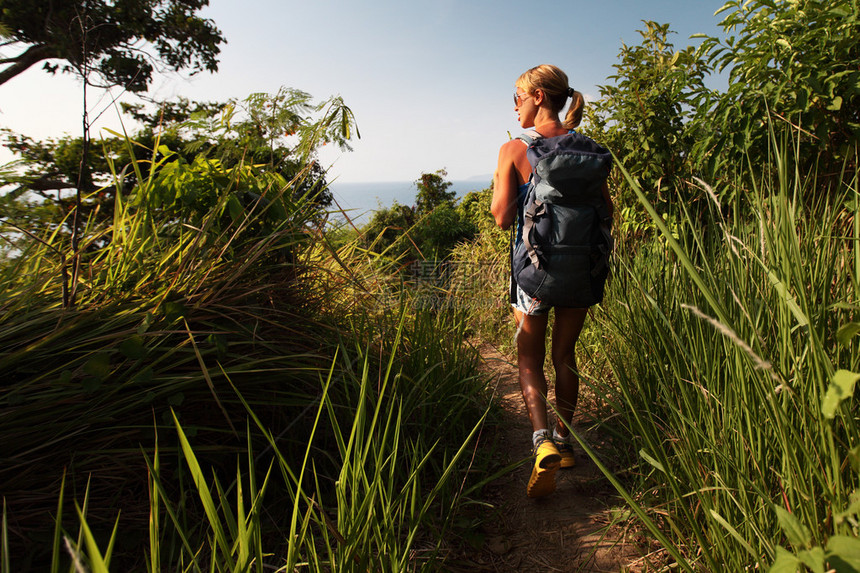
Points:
(574, 112)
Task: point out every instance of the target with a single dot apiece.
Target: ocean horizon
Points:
(360, 200)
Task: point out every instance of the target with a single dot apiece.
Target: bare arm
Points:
(506, 182)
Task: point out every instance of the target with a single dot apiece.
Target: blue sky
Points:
(430, 83)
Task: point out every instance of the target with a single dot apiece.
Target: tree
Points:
(433, 192)
(439, 231)
(112, 38)
(429, 230)
(644, 117)
(193, 144)
(386, 232)
(281, 132)
(106, 39)
(475, 210)
(257, 130)
(797, 63)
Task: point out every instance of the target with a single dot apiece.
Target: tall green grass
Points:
(733, 372)
(376, 515)
(136, 400)
(162, 311)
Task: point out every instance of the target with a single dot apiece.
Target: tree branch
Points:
(31, 55)
(45, 183)
(40, 185)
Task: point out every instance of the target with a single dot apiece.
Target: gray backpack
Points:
(563, 259)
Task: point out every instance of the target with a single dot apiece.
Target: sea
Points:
(359, 200)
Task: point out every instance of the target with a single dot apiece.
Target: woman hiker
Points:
(541, 94)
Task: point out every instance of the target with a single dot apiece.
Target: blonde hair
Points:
(554, 84)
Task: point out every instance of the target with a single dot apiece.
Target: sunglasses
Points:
(518, 97)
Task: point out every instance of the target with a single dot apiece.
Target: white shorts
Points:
(528, 305)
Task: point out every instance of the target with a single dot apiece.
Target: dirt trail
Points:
(566, 531)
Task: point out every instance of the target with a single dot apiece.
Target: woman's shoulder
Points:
(515, 146)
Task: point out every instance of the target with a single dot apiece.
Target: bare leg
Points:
(565, 332)
(531, 352)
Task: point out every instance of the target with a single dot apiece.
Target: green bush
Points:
(428, 231)
(794, 62)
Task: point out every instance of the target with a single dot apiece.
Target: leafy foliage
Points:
(643, 117)
(54, 165)
(429, 230)
(798, 61)
(214, 307)
(110, 38)
(433, 192)
(441, 229)
(475, 207)
(387, 229)
(278, 134)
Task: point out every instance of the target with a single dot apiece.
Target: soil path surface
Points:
(571, 530)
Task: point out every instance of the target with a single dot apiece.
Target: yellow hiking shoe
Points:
(565, 449)
(547, 462)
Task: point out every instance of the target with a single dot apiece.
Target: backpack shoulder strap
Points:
(529, 136)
